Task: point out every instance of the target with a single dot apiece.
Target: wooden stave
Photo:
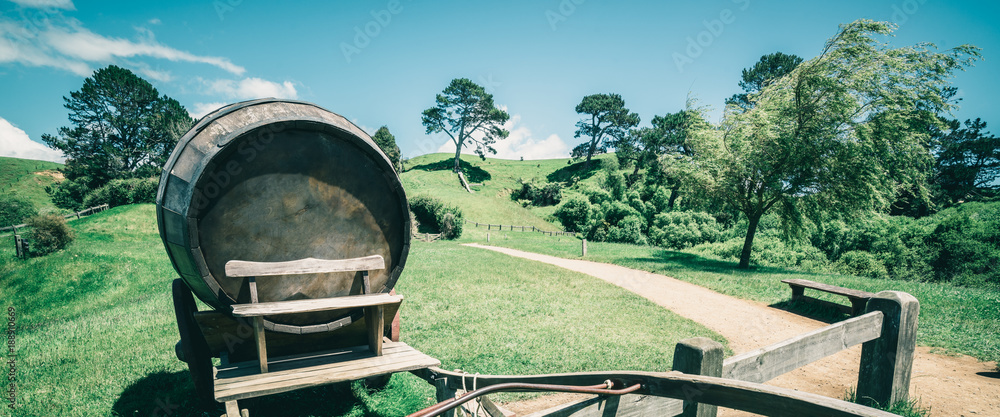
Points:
(194, 157)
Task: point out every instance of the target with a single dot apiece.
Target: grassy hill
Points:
(28, 178)
(494, 180)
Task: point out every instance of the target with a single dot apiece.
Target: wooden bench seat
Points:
(859, 299)
(313, 305)
(243, 380)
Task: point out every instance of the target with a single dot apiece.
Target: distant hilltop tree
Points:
(466, 113)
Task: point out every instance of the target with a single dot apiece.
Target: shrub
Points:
(628, 230)
(966, 245)
(574, 215)
(49, 233)
(548, 194)
(862, 264)
(431, 211)
(14, 210)
(69, 194)
(122, 192)
(684, 229)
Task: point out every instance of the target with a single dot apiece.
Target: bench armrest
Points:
(313, 305)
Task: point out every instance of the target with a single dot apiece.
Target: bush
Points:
(14, 210)
(966, 245)
(684, 229)
(122, 192)
(431, 211)
(69, 194)
(574, 215)
(862, 264)
(49, 233)
(548, 194)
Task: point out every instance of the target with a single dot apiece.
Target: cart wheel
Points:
(192, 348)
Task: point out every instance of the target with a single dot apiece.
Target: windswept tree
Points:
(122, 128)
(466, 113)
(387, 142)
(608, 121)
(769, 68)
(843, 132)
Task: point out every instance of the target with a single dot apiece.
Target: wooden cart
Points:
(292, 226)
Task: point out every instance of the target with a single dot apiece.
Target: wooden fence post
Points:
(17, 246)
(444, 393)
(584, 251)
(887, 362)
(698, 356)
(487, 238)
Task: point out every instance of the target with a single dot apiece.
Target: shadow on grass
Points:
(565, 174)
(672, 260)
(172, 394)
(472, 173)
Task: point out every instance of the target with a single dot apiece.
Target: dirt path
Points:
(949, 385)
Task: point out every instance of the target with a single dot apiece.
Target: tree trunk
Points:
(674, 192)
(458, 156)
(753, 219)
(590, 154)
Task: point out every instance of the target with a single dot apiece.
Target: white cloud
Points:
(14, 142)
(45, 4)
(520, 143)
(251, 88)
(155, 21)
(53, 40)
(201, 109)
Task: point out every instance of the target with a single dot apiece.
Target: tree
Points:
(122, 128)
(609, 121)
(387, 142)
(466, 113)
(968, 162)
(770, 67)
(669, 137)
(843, 132)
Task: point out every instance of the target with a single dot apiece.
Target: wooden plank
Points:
(630, 405)
(321, 304)
(769, 362)
(334, 357)
(833, 289)
(292, 375)
(258, 335)
(303, 266)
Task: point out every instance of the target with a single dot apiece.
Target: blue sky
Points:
(381, 62)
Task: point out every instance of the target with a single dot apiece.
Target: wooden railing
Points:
(78, 215)
(515, 228)
(704, 380)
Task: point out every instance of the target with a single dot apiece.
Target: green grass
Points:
(96, 332)
(961, 320)
(20, 177)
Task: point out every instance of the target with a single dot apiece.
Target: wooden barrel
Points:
(277, 180)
